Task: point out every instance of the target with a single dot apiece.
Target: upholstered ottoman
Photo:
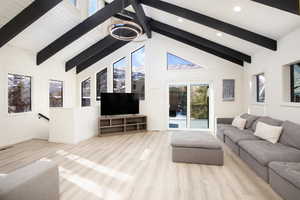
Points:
(196, 147)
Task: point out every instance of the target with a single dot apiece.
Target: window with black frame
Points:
(86, 93)
(56, 93)
(19, 93)
(260, 88)
(101, 83)
(119, 71)
(295, 82)
(138, 72)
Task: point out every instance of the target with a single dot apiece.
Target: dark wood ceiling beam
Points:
(89, 52)
(213, 23)
(24, 19)
(108, 50)
(292, 6)
(186, 36)
(200, 43)
(141, 16)
(81, 29)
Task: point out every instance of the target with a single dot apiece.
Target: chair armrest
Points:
(39, 180)
(224, 120)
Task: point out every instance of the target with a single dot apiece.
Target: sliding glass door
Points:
(178, 106)
(188, 106)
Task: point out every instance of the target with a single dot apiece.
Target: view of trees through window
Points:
(19, 93)
(119, 70)
(260, 88)
(101, 83)
(295, 83)
(86, 93)
(177, 63)
(199, 102)
(56, 93)
(138, 72)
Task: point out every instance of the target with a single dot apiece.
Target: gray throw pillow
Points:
(250, 119)
(291, 134)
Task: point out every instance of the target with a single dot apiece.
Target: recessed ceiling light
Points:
(219, 34)
(180, 19)
(237, 9)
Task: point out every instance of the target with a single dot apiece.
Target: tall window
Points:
(74, 2)
(56, 93)
(19, 93)
(138, 72)
(101, 83)
(295, 83)
(119, 70)
(177, 63)
(93, 7)
(86, 93)
(260, 88)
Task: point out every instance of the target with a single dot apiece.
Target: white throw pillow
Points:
(239, 122)
(268, 132)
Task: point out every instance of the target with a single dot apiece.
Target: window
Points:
(74, 2)
(177, 63)
(138, 72)
(295, 83)
(93, 7)
(86, 93)
(56, 93)
(260, 88)
(101, 83)
(19, 93)
(119, 70)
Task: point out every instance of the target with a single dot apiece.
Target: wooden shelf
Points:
(116, 125)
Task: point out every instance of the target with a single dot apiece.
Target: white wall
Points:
(157, 77)
(271, 63)
(73, 125)
(19, 127)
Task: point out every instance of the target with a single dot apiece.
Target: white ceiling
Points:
(255, 17)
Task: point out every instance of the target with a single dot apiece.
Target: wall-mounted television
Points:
(119, 103)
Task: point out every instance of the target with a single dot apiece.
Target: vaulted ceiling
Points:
(255, 17)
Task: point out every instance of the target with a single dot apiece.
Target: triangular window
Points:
(177, 63)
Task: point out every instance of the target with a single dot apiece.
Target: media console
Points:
(122, 124)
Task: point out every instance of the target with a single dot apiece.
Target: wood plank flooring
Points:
(137, 167)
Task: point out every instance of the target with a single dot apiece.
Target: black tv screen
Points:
(119, 103)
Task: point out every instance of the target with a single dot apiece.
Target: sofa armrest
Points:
(39, 180)
(224, 120)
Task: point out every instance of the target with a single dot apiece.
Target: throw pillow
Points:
(239, 122)
(268, 132)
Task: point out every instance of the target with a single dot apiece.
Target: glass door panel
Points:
(199, 107)
(178, 106)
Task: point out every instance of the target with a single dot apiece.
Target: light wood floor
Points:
(137, 167)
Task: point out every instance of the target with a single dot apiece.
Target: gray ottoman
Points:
(196, 147)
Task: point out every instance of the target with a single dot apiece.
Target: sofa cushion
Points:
(291, 134)
(265, 152)
(250, 119)
(267, 120)
(237, 135)
(290, 171)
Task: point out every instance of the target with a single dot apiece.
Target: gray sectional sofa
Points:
(277, 164)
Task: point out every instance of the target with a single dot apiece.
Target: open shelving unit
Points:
(112, 125)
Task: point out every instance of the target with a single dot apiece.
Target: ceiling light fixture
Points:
(237, 9)
(125, 30)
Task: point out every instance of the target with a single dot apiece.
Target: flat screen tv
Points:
(119, 103)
